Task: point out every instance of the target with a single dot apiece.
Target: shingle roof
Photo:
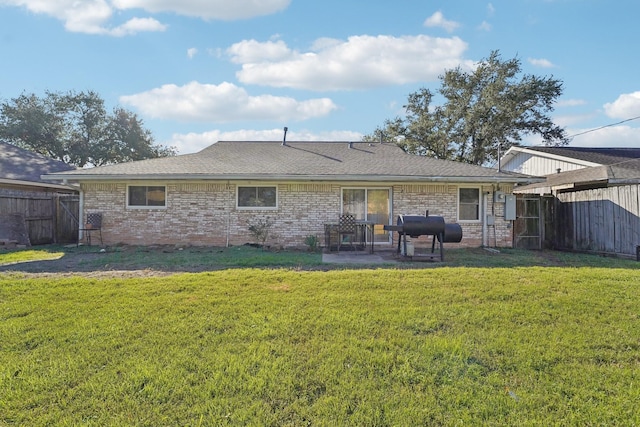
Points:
(23, 165)
(603, 156)
(295, 160)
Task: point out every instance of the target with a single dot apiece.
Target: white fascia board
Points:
(258, 177)
(38, 184)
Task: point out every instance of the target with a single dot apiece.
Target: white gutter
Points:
(259, 177)
(38, 184)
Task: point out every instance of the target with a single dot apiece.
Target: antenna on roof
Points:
(284, 139)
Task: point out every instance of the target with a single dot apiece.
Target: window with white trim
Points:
(147, 196)
(257, 197)
(469, 204)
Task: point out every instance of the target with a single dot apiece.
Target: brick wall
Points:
(442, 200)
(206, 214)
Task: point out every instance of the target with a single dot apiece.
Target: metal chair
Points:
(93, 224)
(346, 228)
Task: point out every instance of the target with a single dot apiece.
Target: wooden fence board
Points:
(46, 220)
(601, 220)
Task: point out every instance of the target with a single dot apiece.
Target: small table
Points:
(365, 228)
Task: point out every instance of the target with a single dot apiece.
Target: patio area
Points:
(357, 257)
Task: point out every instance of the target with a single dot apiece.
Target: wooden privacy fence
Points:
(600, 220)
(49, 217)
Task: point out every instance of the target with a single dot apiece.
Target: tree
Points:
(74, 127)
(484, 111)
(127, 140)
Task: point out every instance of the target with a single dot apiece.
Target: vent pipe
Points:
(284, 139)
(350, 144)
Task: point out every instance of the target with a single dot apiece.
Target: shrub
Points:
(312, 242)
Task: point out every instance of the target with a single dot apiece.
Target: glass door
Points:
(369, 204)
(378, 212)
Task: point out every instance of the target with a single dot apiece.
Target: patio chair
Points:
(346, 230)
(92, 225)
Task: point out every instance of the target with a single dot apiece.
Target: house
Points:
(589, 201)
(543, 160)
(33, 210)
(212, 197)
(21, 170)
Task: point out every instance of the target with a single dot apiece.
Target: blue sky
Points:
(199, 71)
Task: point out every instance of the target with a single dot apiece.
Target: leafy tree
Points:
(75, 127)
(484, 111)
(126, 139)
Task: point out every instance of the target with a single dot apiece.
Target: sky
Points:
(200, 71)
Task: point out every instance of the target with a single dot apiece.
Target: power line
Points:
(602, 127)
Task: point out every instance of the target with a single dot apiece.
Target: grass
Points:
(164, 258)
(89, 258)
(442, 346)
(26, 255)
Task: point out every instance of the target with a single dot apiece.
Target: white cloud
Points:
(571, 102)
(137, 25)
(223, 103)
(490, 9)
(252, 51)
(191, 52)
(485, 26)
(625, 107)
(541, 62)
(93, 16)
(610, 137)
(358, 63)
(438, 20)
(208, 9)
(193, 142)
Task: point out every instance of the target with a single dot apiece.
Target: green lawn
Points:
(438, 346)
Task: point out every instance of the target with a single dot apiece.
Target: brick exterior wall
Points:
(442, 200)
(205, 213)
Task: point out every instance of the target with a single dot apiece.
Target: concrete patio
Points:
(356, 258)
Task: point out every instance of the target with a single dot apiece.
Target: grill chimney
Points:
(284, 139)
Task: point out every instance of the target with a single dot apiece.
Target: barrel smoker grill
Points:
(428, 225)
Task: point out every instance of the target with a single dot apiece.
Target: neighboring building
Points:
(213, 196)
(42, 211)
(542, 160)
(21, 170)
(589, 201)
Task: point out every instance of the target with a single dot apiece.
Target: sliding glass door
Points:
(369, 204)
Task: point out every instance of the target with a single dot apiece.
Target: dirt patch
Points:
(86, 264)
(14, 229)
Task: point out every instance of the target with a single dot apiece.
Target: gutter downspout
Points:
(80, 214)
(230, 208)
(485, 233)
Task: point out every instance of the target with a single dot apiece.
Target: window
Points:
(257, 197)
(469, 204)
(146, 196)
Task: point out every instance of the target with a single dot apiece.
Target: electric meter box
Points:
(510, 207)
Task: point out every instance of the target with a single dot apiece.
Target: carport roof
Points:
(626, 172)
